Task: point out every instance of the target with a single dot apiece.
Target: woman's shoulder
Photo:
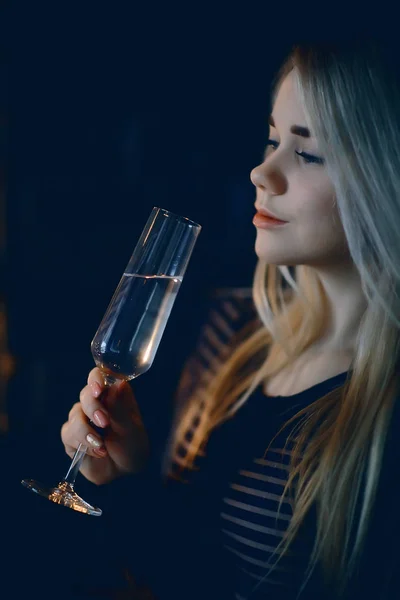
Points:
(229, 312)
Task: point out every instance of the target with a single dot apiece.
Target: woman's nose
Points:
(268, 178)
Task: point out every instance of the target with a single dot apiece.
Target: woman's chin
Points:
(265, 252)
(271, 257)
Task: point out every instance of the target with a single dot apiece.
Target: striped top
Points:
(246, 483)
(252, 524)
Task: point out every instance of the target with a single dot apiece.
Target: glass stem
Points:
(75, 465)
(80, 453)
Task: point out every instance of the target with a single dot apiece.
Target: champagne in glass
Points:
(130, 332)
(138, 329)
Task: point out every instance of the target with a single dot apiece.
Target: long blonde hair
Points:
(351, 99)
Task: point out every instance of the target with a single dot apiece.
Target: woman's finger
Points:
(78, 431)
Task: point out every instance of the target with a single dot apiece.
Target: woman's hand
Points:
(124, 446)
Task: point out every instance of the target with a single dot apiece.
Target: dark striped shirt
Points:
(250, 483)
(252, 522)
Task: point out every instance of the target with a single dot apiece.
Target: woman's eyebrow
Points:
(295, 129)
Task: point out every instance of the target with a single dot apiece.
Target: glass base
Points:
(63, 494)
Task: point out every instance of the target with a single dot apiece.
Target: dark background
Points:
(108, 112)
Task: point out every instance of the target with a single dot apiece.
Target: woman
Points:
(289, 447)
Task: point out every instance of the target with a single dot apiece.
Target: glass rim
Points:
(178, 217)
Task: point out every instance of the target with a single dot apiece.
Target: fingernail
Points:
(100, 418)
(96, 389)
(100, 451)
(94, 441)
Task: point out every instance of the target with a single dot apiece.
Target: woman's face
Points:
(297, 190)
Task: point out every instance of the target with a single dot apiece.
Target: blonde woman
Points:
(288, 442)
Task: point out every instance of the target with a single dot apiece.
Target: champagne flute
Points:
(130, 332)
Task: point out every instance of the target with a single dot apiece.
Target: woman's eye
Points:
(307, 158)
(310, 159)
(271, 143)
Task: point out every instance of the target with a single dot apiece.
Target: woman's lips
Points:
(264, 222)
